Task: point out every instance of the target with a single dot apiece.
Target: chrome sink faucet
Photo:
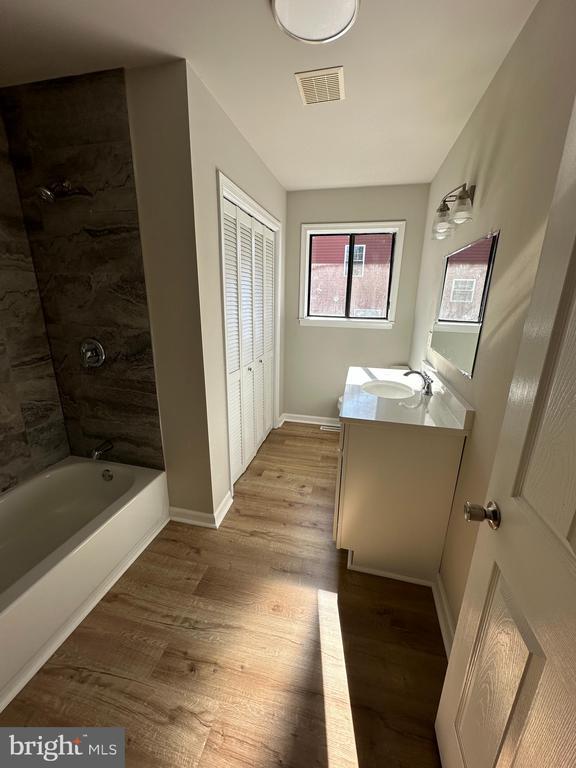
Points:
(427, 381)
(100, 449)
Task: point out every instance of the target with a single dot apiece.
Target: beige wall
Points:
(511, 149)
(316, 359)
(181, 138)
(217, 145)
(157, 104)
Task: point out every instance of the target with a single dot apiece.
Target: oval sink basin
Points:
(391, 390)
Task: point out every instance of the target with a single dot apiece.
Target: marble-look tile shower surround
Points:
(32, 433)
(86, 251)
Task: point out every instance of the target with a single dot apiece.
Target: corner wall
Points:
(159, 127)
(511, 148)
(317, 359)
(181, 138)
(217, 145)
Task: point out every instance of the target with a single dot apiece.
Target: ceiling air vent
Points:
(321, 85)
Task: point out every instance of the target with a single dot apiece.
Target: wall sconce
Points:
(454, 210)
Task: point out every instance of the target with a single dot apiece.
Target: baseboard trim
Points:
(51, 646)
(191, 517)
(438, 593)
(202, 519)
(444, 614)
(223, 508)
(384, 574)
(299, 418)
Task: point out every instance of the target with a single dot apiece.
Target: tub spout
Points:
(100, 449)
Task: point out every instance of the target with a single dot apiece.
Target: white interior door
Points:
(258, 315)
(246, 262)
(233, 332)
(269, 326)
(248, 256)
(509, 697)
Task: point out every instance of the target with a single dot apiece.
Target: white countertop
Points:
(444, 409)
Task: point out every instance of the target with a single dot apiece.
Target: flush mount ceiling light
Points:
(454, 210)
(315, 21)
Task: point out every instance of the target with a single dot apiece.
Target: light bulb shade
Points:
(462, 210)
(315, 21)
(442, 222)
(443, 234)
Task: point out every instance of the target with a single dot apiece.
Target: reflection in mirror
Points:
(456, 332)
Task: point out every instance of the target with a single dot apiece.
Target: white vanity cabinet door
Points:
(395, 497)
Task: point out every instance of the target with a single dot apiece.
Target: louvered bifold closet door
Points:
(233, 330)
(269, 325)
(246, 241)
(258, 314)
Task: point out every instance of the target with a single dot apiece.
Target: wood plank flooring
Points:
(253, 646)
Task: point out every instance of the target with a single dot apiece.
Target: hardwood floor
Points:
(253, 645)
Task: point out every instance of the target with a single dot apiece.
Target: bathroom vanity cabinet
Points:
(398, 467)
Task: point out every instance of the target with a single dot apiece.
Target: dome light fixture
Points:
(320, 21)
(454, 210)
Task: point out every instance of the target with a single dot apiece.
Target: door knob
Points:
(475, 513)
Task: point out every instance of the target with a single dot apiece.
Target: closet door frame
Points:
(228, 190)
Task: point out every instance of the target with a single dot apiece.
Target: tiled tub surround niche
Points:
(32, 433)
(86, 250)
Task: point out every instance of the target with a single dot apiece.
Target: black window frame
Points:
(482, 310)
(350, 275)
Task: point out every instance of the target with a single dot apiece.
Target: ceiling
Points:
(414, 71)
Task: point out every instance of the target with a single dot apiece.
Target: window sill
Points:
(338, 322)
(445, 326)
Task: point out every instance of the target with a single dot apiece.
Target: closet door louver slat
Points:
(258, 294)
(248, 420)
(259, 400)
(231, 308)
(268, 391)
(268, 291)
(246, 290)
(235, 431)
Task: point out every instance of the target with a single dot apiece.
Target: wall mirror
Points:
(462, 303)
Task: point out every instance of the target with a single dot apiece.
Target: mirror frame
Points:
(494, 236)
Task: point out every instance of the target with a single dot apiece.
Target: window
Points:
(330, 293)
(465, 283)
(357, 259)
(463, 290)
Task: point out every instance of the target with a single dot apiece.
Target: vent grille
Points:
(321, 85)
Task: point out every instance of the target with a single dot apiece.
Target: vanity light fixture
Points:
(320, 21)
(454, 210)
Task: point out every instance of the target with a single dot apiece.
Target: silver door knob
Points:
(474, 513)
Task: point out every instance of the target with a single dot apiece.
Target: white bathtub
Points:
(66, 536)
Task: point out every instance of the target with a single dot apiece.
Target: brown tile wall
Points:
(87, 257)
(32, 433)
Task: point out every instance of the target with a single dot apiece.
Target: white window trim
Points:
(357, 228)
(470, 290)
(362, 249)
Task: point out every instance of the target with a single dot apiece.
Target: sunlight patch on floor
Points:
(340, 740)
